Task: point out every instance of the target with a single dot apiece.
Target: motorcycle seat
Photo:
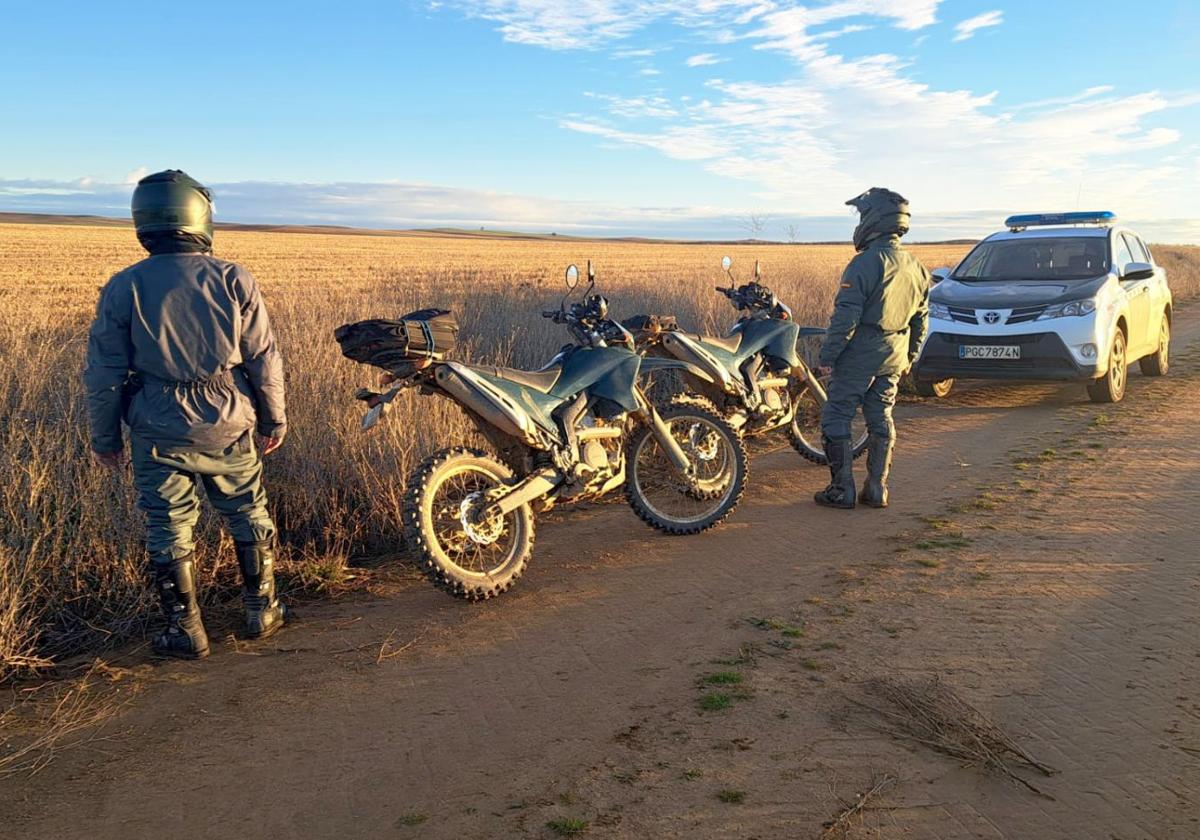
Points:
(729, 344)
(538, 380)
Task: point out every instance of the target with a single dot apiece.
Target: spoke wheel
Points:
(681, 503)
(463, 550)
(804, 432)
(711, 478)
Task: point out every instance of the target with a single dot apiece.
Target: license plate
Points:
(372, 417)
(989, 351)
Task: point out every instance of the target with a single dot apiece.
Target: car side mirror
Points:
(1137, 271)
(940, 274)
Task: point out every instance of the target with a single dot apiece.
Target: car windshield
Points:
(1041, 258)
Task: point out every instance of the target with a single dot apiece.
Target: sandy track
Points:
(576, 696)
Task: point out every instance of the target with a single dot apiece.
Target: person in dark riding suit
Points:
(880, 318)
(182, 351)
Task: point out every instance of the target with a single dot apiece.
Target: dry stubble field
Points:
(71, 565)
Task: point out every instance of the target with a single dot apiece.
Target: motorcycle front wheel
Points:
(462, 551)
(679, 503)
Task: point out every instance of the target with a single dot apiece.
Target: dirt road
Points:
(1039, 556)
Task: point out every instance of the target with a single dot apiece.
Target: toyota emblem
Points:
(992, 318)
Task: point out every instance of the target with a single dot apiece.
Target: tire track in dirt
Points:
(574, 697)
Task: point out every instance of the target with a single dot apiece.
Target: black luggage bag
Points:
(388, 344)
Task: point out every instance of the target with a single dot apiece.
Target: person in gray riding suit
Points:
(880, 317)
(182, 350)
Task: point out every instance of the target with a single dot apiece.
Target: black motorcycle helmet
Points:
(172, 204)
(881, 212)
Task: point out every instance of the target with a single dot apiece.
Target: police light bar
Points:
(1028, 220)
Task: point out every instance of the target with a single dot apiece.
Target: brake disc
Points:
(481, 531)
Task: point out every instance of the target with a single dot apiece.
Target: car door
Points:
(1137, 293)
(1160, 292)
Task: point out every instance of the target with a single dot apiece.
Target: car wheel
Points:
(1110, 388)
(933, 387)
(1157, 363)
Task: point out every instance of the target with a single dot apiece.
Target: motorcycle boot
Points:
(264, 613)
(879, 464)
(840, 492)
(184, 636)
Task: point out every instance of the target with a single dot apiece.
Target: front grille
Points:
(963, 314)
(1031, 340)
(1032, 367)
(1024, 314)
(1043, 355)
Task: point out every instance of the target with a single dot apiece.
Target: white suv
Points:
(1069, 296)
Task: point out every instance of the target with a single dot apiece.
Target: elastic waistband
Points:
(884, 332)
(222, 378)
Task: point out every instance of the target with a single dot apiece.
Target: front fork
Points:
(805, 374)
(662, 433)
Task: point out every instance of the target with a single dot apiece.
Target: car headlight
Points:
(1076, 308)
(940, 311)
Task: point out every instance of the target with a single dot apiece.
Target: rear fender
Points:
(694, 355)
(656, 363)
(489, 402)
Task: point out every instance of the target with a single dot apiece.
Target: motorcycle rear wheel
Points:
(462, 554)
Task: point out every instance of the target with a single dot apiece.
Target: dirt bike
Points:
(755, 378)
(573, 430)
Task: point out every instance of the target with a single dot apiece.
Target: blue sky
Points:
(663, 117)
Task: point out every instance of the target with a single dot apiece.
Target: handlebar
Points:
(551, 313)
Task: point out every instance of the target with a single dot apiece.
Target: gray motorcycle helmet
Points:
(881, 212)
(172, 203)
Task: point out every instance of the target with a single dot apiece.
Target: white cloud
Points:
(559, 25)
(800, 140)
(408, 205)
(136, 175)
(967, 28)
(646, 52)
(839, 123)
(635, 107)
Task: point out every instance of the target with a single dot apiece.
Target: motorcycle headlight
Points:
(940, 311)
(1076, 308)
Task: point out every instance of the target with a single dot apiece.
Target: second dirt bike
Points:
(754, 376)
(576, 429)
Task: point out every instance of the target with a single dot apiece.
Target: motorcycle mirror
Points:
(726, 263)
(572, 276)
(757, 272)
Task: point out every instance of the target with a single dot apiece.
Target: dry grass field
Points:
(71, 566)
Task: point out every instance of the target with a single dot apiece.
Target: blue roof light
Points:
(1091, 217)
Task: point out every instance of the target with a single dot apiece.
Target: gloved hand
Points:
(114, 461)
(267, 445)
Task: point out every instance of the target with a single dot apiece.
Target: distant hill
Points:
(457, 233)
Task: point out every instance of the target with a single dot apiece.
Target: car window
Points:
(1123, 257)
(1144, 247)
(1036, 258)
(1136, 249)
